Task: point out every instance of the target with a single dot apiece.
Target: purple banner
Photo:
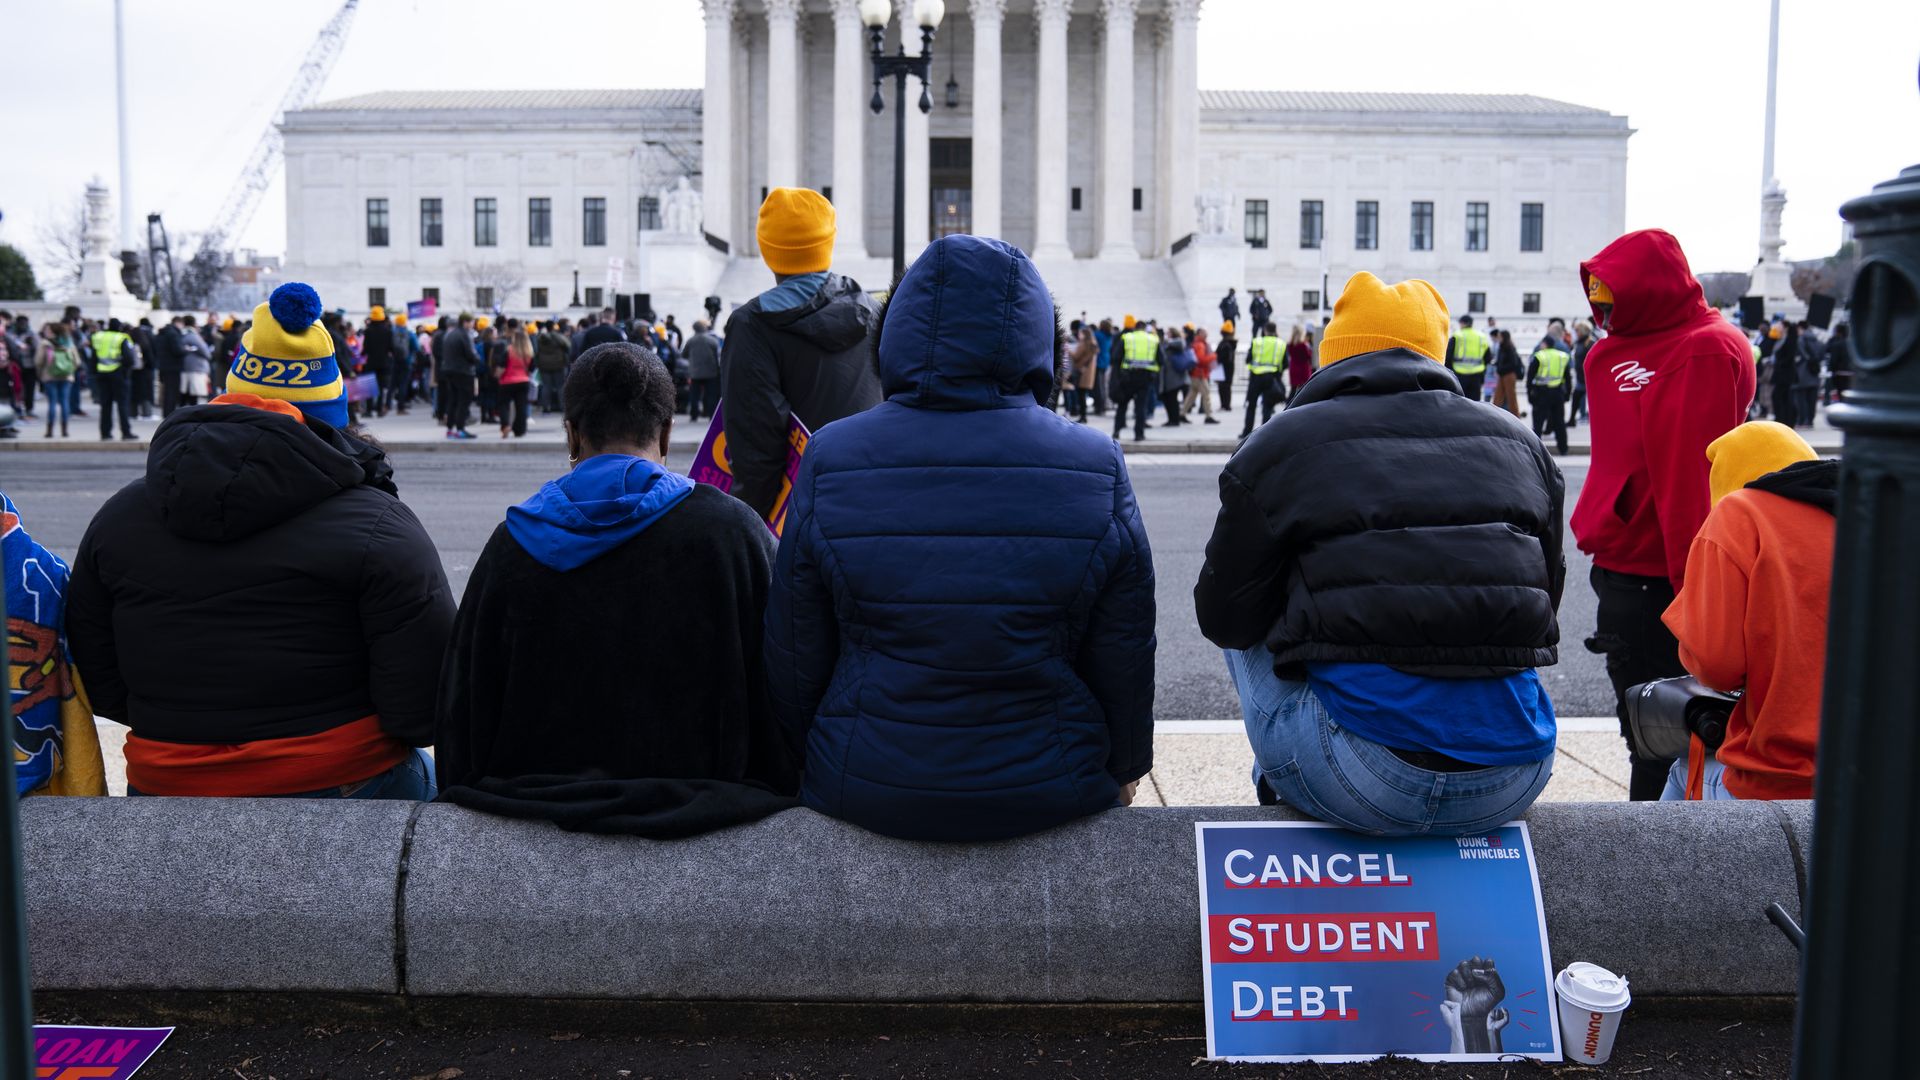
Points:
(422, 309)
(713, 466)
(94, 1053)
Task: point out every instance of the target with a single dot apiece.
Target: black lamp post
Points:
(576, 287)
(875, 13)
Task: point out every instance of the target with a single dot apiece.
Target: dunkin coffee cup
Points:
(1591, 1001)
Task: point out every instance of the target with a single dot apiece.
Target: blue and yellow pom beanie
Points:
(288, 355)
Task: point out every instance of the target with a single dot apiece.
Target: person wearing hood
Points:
(961, 630)
(1382, 628)
(575, 690)
(1752, 615)
(1669, 378)
(801, 350)
(261, 608)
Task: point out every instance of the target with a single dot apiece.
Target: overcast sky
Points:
(1690, 75)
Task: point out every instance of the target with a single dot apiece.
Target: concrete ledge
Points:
(239, 894)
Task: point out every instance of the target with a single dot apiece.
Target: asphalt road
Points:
(461, 496)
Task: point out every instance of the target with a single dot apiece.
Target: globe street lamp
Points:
(927, 14)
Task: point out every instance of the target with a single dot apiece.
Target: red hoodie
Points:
(1670, 377)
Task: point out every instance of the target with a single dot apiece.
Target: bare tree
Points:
(1832, 275)
(1725, 289)
(201, 276)
(484, 284)
(63, 245)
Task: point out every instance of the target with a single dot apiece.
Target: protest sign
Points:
(713, 466)
(422, 309)
(94, 1053)
(1322, 944)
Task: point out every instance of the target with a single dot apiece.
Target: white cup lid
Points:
(1594, 987)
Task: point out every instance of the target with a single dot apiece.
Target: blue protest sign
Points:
(1322, 944)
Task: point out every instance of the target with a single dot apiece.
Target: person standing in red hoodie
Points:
(1670, 377)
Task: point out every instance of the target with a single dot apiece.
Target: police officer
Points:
(1264, 358)
(112, 358)
(1137, 380)
(1467, 354)
(1547, 376)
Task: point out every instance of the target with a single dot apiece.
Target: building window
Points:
(1255, 229)
(537, 297)
(1310, 300)
(430, 294)
(376, 223)
(649, 213)
(1530, 303)
(376, 298)
(1533, 226)
(483, 297)
(486, 222)
(1423, 226)
(1476, 226)
(1476, 302)
(827, 192)
(432, 228)
(595, 296)
(1366, 225)
(539, 222)
(1136, 200)
(1076, 198)
(1312, 218)
(593, 222)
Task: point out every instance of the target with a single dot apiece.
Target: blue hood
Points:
(971, 326)
(603, 503)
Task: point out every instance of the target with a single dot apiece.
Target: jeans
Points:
(1327, 772)
(412, 779)
(59, 403)
(1712, 780)
(1639, 648)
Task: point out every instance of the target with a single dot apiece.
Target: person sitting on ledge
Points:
(961, 627)
(261, 608)
(1383, 627)
(1752, 615)
(605, 667)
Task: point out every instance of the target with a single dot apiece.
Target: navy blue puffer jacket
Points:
(961, 625)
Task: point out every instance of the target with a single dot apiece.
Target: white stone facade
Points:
(1082, 104)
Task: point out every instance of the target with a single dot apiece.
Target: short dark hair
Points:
(618, 392)
(1466, 320)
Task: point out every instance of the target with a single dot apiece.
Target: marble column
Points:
(919, 201)
(783, 93)
(1050, 133)
(850, 86)
(716, 122)
(1182, 102)
(1116, 133)
(989, 18)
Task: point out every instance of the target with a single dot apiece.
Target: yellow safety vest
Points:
(1142, 351)
(1263, 356)
(1551, 371)
(108, 346)
(1470, 348)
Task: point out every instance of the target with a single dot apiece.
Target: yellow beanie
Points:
(378, 314)
(1227, 327)
(226, 323)
(1750, 452)
(1372, 315)
(399, 318)
(1597, 291)
(1129, 322)
(796, 231)
(482, 323)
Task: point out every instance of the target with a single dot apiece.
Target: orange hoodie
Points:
(1753, 614)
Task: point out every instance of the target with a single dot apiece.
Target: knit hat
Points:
(1129, 322)
(482, 323)
(226, 323)
(378, 314)
(1227, 327)
(399, 318)
(1750, 452)
(1372, 315)
(796, 231)
(288, 355)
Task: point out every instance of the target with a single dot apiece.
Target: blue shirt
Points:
(1106, 349)
(792, 292)
(1494, 721)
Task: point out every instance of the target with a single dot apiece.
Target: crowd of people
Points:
(942, 625)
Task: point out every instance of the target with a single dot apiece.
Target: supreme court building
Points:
(1074, 129)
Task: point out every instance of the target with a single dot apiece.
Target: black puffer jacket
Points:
(814, 362)
(1384, 518)
(262, 581)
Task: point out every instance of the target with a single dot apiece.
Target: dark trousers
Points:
(1579, 411)
(1100, 379)
(550, 382)
(1806, 401)
(116, 391)
(1639, 648)
(1226, 385)
(1784, 405)
(169, 392)
(513, 406)
(1171, 399)
(1473, 386)
(1135, 388)
(458, 400)
(1264, 392)
(703, 398)
(143, 391)
(29, 378)
(1550, 414)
